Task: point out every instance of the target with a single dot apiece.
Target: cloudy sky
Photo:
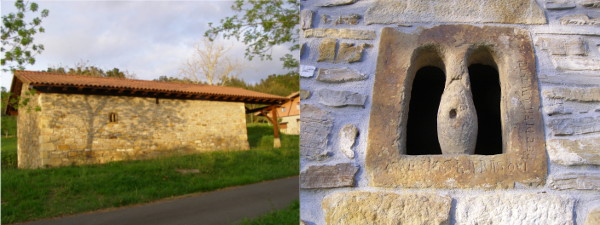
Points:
(146, 38)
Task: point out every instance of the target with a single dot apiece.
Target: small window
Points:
(112, 117)
(283, 109)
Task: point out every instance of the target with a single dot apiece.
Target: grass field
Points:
(42, 193)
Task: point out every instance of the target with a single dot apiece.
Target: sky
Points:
(146, 38)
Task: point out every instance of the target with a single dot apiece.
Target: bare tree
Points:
(211, 63)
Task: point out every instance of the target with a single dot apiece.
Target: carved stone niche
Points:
(452, 48)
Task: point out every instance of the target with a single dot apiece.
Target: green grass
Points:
(42, 193)
(289, 215)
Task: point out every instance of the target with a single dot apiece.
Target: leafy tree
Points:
(281, 85)
(174, 80)
(82, 68)
(17, 36)
(262, 24)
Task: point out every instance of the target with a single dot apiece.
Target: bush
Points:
(9, 126)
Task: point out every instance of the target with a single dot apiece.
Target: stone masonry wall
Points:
(341, 178)
(76, 129)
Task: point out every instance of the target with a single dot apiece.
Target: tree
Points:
(262, 24)
(17, 36)
(211, 63)
(81, 68)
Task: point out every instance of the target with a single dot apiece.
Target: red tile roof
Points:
(201, 91)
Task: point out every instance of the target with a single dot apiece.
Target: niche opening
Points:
(485, 87)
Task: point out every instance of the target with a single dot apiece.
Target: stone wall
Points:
(77, 129)
(358, 60)
(293, 126)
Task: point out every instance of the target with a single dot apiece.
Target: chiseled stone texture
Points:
(531, 209)
(327, 50)
(575, 126)
(576, 63)
(590, 3)
(563, 46)
(340, 98)
(580, 94)
(339, 75)
(349, 52)
(304, 94)
(348, 135)
(579, 19)
(315, 126)
(75, 128)
(582, 151)
(350, 19)
(306, 17)
(559, 4)
(473, 11)
(576, 181)
(340, 33)
(328, 3)
(593, 217)
(339, 175)
(386, 208)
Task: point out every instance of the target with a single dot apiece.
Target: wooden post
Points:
(276, 140)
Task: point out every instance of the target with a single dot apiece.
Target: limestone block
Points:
(563, 46)
(559, 4)
(590, 3)
(306, 17)
(579, 19)
(339, 175)
(574, 126)
(593, 217)
(350, 19)
(474, 11)
(583, 151)
(349, 52)
(386, 208)
(576, 63)
(579, 94)
(328, 3)
(315, 127)
(307, 71)
(575, 181)
(339, 75)
(327, 50)
(340, 33)
(340, 98)
(492, 209)
(348, 135)
(304, 94)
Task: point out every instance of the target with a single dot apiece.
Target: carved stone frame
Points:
(401, 54)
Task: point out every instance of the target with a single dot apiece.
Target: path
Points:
(226, 206)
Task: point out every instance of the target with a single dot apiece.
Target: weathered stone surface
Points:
(579, 19)
(339, 75)
(496, 209)
(579, 94)
(575, 126)
(576, 63)
(575, 181)
(583, 151)
(400, 54)
(314, 129)
(304, 94)
(348, 135)
(327, 3)
(386, 208)
(563, 46)
(349, 52)
(559, 4)
(340, 33)
(590, 4)
(474, 11)
(593, 217)
(350, 19)
(457, 120)
(307, 71)
(306, 17)
(325, 19)
(327, 50)
(340, 98)
(339, 175)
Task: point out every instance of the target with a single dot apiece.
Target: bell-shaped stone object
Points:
(457, 120)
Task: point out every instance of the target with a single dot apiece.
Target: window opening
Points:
(485, 86)
(112, 117)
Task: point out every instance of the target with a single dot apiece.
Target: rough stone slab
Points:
(583, 151)
(315, 126)
(386, 208)
(348, 135)
(329, 3)
(590, 4)
(340, 33)
(559, 5)
(496, 209)
(563, 46)
(306, 17)
(579, 19)
(327, 50)
(349, 53)
(576, 63)
(472, 11)
(304, 94)
(575, 181)
(340, 98)
(307, 71)
(574, 126)
(339, 75)
(350, 19)
(339, 175)
(593, 217)
(578, 94)
(581, 80)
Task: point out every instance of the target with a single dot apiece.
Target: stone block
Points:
(329, 3)
(339, 175)
(304, 94)
(339, 75)
(575, 181)
(563, 46)
(496, 209)
(349, 53)
(307, 71)
(559, 4)
(306, 17)
(474, 11)
(348, 135)
(593, 217)
(327, 50)
(579, 19)
(574, 126)
(590, 4)
(340, 98)
(579, 94)
(576, 63)
(315, 126)
(350, 19)
(582, 151)
(340, 33)
(386, 208)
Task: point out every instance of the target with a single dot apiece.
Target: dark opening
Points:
(421, 129)
(112, 117)
(485, 87)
